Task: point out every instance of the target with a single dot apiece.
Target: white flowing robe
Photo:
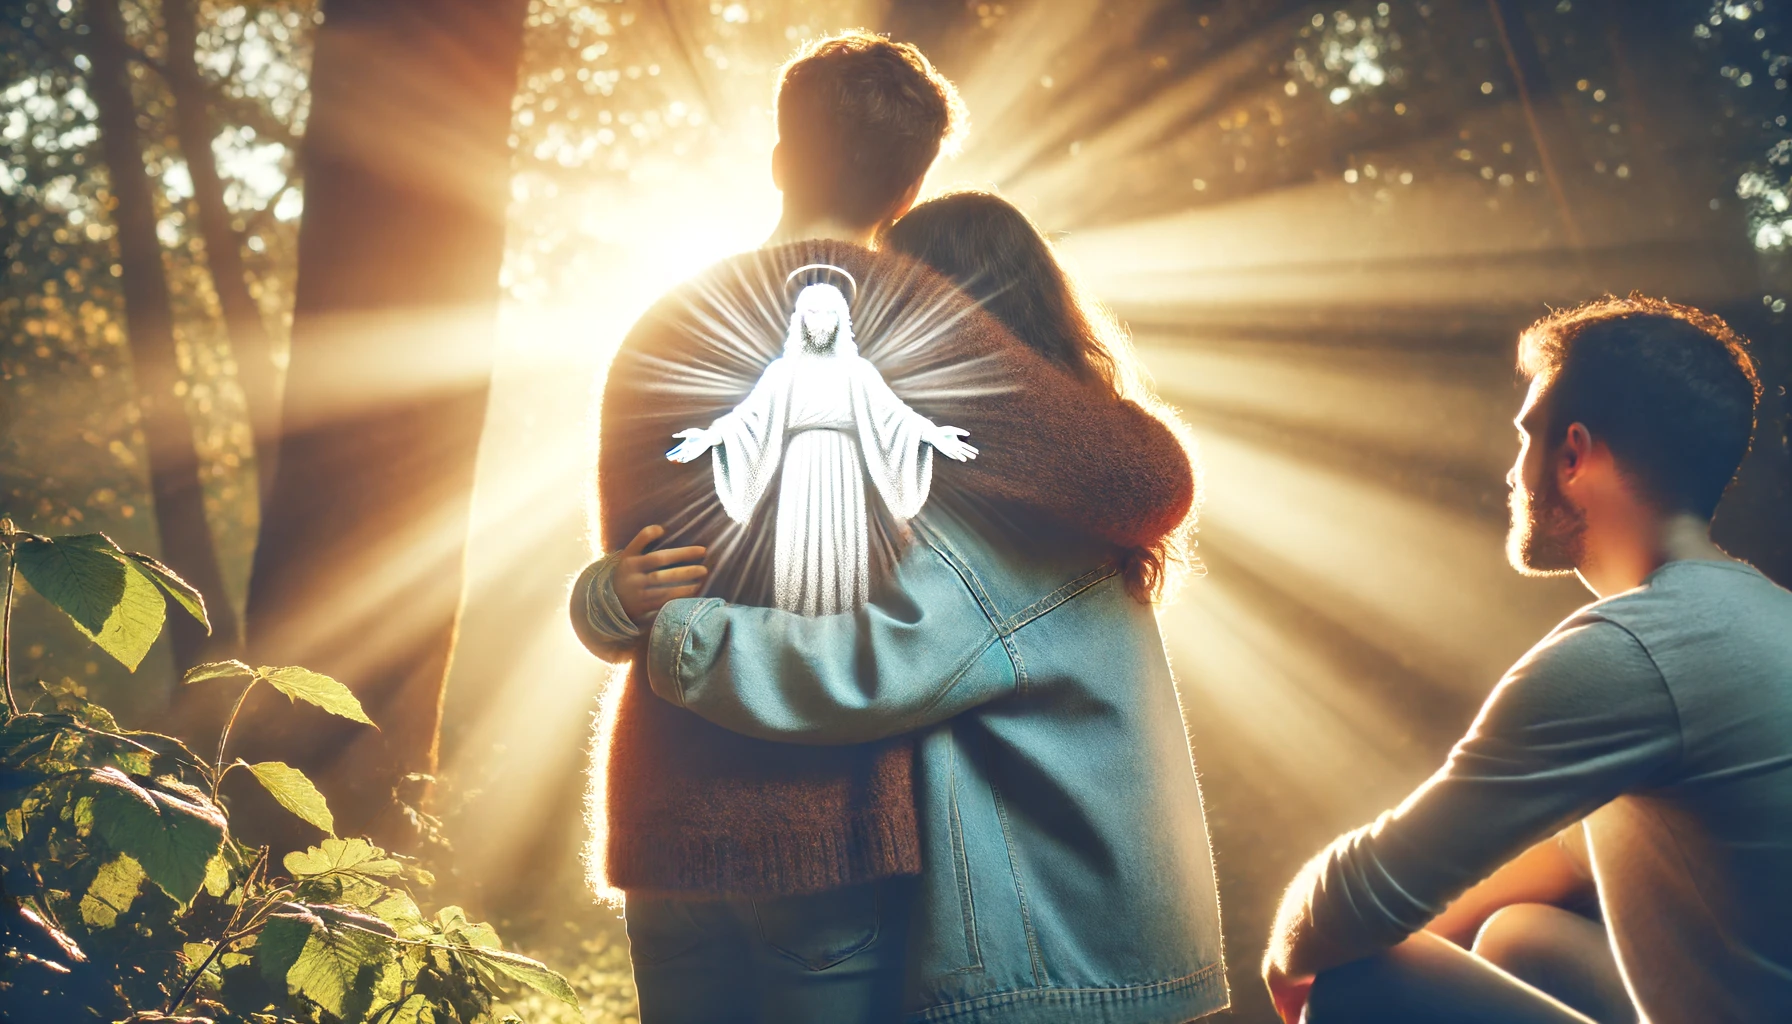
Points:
(823, 421)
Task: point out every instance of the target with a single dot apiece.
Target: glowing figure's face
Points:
(820, 326)
(821, 319)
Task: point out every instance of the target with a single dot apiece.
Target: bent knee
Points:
(1521, 934)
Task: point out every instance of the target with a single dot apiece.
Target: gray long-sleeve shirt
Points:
(1663, 718)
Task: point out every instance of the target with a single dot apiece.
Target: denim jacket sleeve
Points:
(920, 654)
(597, 616)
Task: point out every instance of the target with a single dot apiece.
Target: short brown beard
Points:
(1548, 535)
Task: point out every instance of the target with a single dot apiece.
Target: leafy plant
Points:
(125, 897)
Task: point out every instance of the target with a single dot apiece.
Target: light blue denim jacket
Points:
(1066, 869)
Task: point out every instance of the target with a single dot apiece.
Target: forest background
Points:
(312, 300)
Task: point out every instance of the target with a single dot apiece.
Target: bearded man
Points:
(1640, 756)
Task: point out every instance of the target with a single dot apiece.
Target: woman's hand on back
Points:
(645, 580)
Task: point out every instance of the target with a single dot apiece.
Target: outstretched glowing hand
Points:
(644, 584)
(692, 443)
(946, 440)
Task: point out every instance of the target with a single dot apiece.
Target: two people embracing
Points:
(916, 752)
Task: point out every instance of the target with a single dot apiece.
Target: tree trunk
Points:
(358, 570)
(149, 321)
(250, 344)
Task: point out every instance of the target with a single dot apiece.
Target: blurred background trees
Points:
(124, 384)
(1324, 223)
(358, 564)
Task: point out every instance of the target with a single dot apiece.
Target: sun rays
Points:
(1334, 317)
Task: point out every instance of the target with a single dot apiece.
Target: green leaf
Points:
(452, 922)
(133, 626)
(106, 594)
(395, 907)
(135, 623)
(352, 872)
(90, 541)
(231, 669)
(184, 593)
(134, 762)
(194, 953)
(372, 1003)
(86, 583)
(217, 875)
(315, 688)
(112, 892)
(293, 791)
(532, 973)
(324, 953)
(356, 855)
(282, 939)
(415, 1010)
(172, 830)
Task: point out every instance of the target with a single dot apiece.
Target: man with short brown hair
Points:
(860, 121)
(751, 869)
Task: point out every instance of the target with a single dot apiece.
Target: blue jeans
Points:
(833, 957)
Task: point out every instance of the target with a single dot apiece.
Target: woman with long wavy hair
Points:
(997, 255)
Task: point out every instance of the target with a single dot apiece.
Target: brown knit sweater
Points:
(693, 808)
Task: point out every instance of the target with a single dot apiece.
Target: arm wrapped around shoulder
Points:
(1084, 458)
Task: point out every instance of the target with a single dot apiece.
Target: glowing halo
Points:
(852, 292)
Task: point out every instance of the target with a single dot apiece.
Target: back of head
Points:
(1668, 388)
(860, 120)
(993, 251)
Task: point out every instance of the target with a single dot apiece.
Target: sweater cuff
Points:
(597, 615)
(667, 642)
(603, 608)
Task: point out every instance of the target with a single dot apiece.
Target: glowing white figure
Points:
(842, 423)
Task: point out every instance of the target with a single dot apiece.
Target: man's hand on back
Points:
(645, 580)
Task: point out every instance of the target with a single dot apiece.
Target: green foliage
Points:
(184, 594)
(112, 596)
(321, 952)
(78, 578)
(171, 829)
(72, 455)
(315, 688)
(297, 683)
(113, 890)
(521, 968)
(292, 790)
(127, 897)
